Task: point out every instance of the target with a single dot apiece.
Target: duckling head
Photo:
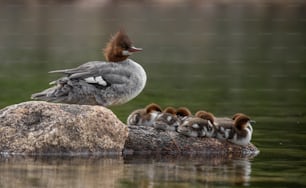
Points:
(242, 122)
(183, 112)
(153, 107)
(170, 110)
(205, 115)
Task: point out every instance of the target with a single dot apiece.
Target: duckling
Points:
(183, 113)
(223, 125)
(145, 116)
(210, 129)
(194, 126)
(241, 133)
(167, 120)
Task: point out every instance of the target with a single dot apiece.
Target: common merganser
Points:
(183, 112)
(145, 116)
(237, 129)
(223, 125)
(196, 126)
(167, 120)
(241, 133)
(114, 82)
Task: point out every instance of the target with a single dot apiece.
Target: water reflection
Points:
(186, 171)
(60, 171)
(130, 171)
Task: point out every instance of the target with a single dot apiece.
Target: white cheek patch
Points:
(249, 126)
(169, 118)
(196, 126)
(126, 52)
(209, 123)
(155, 115)
(96, 80)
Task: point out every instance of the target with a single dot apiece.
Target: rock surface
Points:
(43, 128)
(147, 140)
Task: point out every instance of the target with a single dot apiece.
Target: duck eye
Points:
(125, 46)
(137, 118)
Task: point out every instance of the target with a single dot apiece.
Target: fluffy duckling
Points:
(242, 131)
(145, 116)
(167, 120)
(209, 130)
(183, 113)
(195, 126)
(237, 130)
(223, 125)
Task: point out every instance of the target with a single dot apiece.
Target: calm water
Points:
(224, 58)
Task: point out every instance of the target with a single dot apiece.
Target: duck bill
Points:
(134, 49)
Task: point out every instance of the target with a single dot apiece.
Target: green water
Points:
(221, 57)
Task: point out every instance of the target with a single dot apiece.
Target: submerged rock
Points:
(43, 128)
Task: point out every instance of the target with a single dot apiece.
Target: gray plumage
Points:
(97, 83)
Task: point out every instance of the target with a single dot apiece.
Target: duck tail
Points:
(45, 95)
(53, 94)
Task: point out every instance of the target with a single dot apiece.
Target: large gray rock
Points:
(41, 128)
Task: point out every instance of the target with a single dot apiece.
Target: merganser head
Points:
(153, 107)
(170, 110)
(119, 47)
(183, 112)
(242, 122)
(235, 116)
(205, 115)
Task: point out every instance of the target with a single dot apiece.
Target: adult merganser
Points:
(114, 82)
(144, 116)
(241, 133)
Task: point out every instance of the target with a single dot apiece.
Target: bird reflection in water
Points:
(188, 170)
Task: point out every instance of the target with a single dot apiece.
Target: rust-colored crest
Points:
(183, 111)
(119, 42)
(153, 107)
